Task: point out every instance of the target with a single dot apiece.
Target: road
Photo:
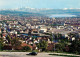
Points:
(23, 54)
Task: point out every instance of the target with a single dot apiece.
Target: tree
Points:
(59, 35)
(1, 43)
(75, 35)
(43, 45)
(51, 38)
(75, 46)
(15, 43)
(9, 39)
(26, 48)
(33, 38)
(61, 46)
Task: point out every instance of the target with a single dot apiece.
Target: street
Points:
(23, 54)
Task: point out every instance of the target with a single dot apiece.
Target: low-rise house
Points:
(42, 30)
(24, 44)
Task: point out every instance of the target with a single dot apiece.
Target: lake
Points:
(62, 15)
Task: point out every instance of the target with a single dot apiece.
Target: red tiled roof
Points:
(24, 44)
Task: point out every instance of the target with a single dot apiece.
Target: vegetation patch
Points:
(64, 55)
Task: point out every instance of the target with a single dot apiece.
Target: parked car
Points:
(33, 53)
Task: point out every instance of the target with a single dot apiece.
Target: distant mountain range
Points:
(40, 12)
(19, 13)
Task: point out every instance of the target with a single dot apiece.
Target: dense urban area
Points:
(40, 34)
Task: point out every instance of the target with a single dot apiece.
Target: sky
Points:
(53, 4)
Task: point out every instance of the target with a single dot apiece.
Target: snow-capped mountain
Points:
(44, 11)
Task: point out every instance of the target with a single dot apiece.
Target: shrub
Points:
(27, 48)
